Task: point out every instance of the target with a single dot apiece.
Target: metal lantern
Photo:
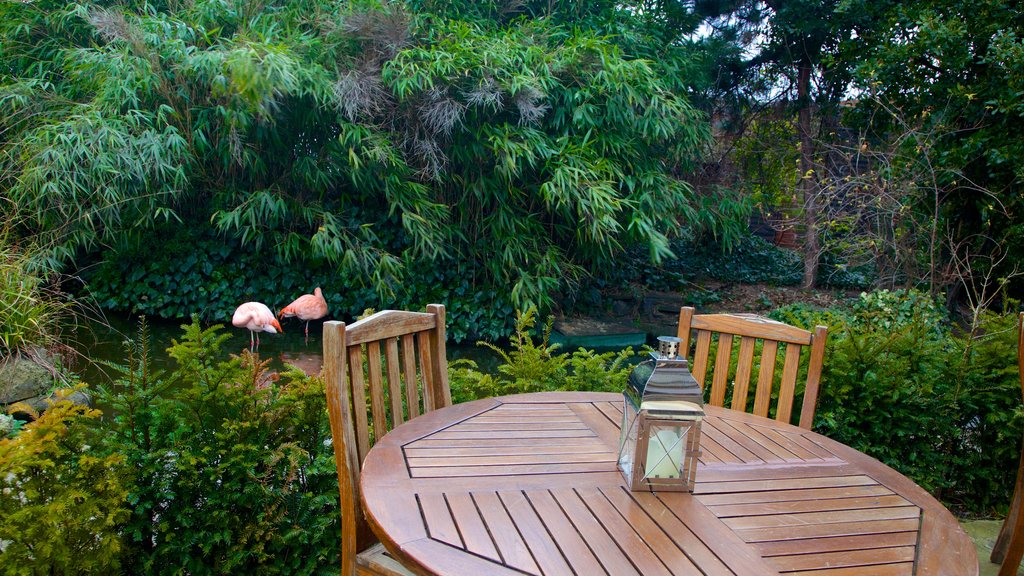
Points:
(661, 415)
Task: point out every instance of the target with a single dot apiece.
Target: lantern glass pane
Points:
(628, 438)
(666, 450)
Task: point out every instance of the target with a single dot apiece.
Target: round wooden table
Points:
(528, 484)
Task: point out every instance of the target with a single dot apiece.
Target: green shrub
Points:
(835, 273)
(61, 499)
(746, 260)
(30, 310)
(941, 406)
(536, 366)
(231, 470)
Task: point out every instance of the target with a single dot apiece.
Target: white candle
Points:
(659, 464)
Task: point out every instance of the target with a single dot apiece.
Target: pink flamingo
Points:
(306, 307)
(256, 317)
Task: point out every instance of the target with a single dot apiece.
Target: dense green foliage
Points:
(230, 469)
(961, 91)
(31, 311)
(941, 406)
(198, 273)
(533, 364)
(371, 138)
(750, 260)
(62, 499)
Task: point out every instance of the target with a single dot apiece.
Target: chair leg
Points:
(1003, 540)
(1015, 548)
(1013, 554)
(1005, 533)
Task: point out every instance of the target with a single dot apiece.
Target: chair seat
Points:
(376, 561)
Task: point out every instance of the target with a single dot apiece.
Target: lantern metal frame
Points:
(661, 404)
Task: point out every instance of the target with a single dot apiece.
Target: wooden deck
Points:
(528, 485)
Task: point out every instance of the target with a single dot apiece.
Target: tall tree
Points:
(792, 46)
(952, 72)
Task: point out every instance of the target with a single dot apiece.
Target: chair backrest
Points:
(751, 328)
(397, 359)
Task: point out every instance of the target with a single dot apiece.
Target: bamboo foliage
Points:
(362, 133)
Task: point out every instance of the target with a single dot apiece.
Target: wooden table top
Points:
(528, 484)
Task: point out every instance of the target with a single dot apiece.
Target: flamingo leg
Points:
(251, 341)
(307, 328)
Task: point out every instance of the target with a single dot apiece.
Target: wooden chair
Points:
(750, 328)
(1009, 546)
(412, 378)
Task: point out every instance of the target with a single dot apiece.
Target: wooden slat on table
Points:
(867, 559)
(837, 544)
(635, 544)
(819, 518)
(433, 441)
(471, 526)
(828, 530)
(766, 447)
(810, 505)
(758, 445)
(440, 524)
(536, 536)
(652, 533)
(577, 552)
(510, 460)
(712, 500)
(508, 470)
(712, 430)
(504, 532)
(901, 569)
(590, 528)
(506, 450)
(476, 426)
(780, 484)
(712, 451)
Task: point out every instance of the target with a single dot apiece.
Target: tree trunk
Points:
(807, 183)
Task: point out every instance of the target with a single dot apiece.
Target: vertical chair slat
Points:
(394, 381)
(683, 332)
(442, 391)
(340, 411)
(789, 370)
(355, 368)
(423, 341)
(813, 376)
(765, 378)
(700, 357)
(720, 378)
(743, 368)
(377, 407)
(412, 395)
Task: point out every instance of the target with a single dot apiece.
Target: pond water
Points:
(104, 341)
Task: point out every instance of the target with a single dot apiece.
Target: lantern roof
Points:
(662, 379)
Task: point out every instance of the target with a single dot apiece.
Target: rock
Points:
(41, 403)
(622, 307)
(22, 378)
(30, 379)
